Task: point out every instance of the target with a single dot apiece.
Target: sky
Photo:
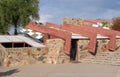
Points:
(55, 10)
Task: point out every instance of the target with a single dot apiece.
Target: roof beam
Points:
(51, 31)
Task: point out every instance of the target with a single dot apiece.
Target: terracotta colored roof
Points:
(84, 31)
(54, 32)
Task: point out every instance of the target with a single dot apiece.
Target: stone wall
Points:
(79, 21)
(55, 53)
(22, 56)
(3, 54)
(74, 21)
(102, 56)
(52, 53)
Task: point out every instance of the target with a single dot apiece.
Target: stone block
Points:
(6, 62)
(24, 62)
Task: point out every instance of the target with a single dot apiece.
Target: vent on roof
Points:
(15, 45)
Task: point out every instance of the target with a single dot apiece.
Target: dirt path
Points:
(61, 70)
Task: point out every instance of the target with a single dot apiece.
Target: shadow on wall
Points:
(9, 72)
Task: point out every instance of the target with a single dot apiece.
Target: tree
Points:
(105, 23)
(18, 12)
(116, 23)
(3, 29)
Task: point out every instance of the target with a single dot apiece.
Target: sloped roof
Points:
(20, 38)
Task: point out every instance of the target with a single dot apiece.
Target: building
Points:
(62, 44)
(89, 43)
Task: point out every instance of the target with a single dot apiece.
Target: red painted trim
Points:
(79, 30)
(51, 31)
(64, 32)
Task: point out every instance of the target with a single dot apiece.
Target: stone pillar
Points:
(56, 51)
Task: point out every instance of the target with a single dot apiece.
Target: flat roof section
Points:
(14, 39)
(78, 36)
(30, 41)
(20, 38)
(3, 39)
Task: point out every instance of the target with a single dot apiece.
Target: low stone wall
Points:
(52, 53)
(102, 56)
(22, 56)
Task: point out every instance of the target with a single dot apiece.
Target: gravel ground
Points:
(61, 70)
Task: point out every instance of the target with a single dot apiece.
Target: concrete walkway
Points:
(61, 70)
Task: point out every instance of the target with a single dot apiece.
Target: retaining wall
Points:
(22, 56)
(102, 56)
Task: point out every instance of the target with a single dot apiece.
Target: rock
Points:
(6, 62)
(36, 54)
(18, 53)
(24, 62)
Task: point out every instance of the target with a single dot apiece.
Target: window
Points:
(15, 45)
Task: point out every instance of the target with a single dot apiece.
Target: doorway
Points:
(73, 50)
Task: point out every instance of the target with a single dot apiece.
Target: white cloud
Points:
(56, 10)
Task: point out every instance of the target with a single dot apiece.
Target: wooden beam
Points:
(58, 33)
(79, 30)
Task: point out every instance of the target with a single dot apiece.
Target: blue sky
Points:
(55, 10)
